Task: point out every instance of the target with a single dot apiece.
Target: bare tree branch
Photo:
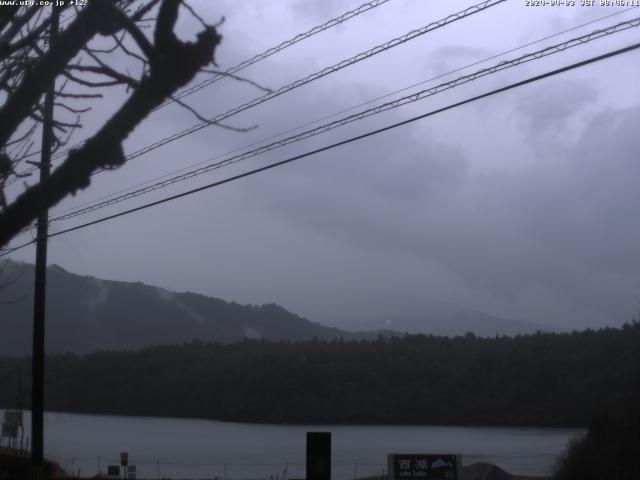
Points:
(210, 122)
(239, 79)
(130, 26)
(172, 64)
(89, 22)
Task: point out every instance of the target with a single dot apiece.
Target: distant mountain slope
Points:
(86, 313)
(439, 318)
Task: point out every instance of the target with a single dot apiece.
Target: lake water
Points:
(189, 448)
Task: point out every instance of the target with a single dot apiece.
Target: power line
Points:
(320, 74)
(343, 142)
(314, 76)
(397, 103)
(365, 7)
(421, 95)
(271, 137)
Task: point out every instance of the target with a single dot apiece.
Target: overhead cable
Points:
(421, 95)
(365, 7)
(482, 6)
(353, 107)
(341, 143)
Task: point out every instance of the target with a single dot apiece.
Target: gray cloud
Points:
(546, 109)
(450, 57)
(319, 10)
(564, 226)
(521, 205)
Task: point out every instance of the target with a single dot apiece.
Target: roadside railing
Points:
(147, 469)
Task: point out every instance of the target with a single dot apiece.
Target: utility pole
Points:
(37, 359)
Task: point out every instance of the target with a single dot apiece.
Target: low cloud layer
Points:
(521, 205)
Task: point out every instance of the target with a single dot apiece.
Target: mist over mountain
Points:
(85, 314)
(438, 318)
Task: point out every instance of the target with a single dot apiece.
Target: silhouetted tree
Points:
(611, 448)
(82, 55)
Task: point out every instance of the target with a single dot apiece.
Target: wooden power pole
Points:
(37, 367)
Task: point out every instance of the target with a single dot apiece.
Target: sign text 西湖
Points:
(424, 467)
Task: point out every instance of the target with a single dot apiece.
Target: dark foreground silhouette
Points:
(611, 448)
(16, 465)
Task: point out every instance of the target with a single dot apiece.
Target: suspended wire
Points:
(421, 95)
(300, 82)
(314, 76)
(320, 74)
(341, 143)
(363, 136)
(347, 110)
(503, 65)
(583, 39)
(365, 7)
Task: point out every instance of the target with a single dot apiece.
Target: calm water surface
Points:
(188, 448)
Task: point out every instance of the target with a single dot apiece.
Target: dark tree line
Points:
(537, 380)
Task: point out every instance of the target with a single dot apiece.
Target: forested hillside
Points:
(86, 313)
(543, 379)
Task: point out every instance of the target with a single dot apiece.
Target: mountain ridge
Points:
(455, 321)
(86, 313)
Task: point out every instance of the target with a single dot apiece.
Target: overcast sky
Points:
(523, 205)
